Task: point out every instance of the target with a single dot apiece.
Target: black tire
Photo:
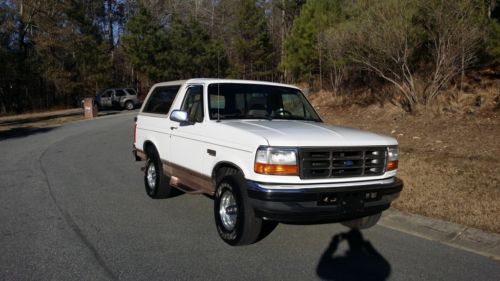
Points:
(364, 222)
(129, 105)
(158, 185)
(247, 227)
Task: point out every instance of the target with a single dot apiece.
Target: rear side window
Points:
(120, 93)
(161, 100)
(131, 92)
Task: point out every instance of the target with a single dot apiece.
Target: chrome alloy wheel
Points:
(228, 210)
(151, 176)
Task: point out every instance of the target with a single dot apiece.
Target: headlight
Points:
(392, 158)
(276, 161)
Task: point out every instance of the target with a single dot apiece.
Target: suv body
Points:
(125, 98)
(264, 154)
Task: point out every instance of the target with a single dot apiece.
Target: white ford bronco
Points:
(264, 155)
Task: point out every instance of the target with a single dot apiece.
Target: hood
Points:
(296, 133)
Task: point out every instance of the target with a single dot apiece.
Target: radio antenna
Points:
(218, 85)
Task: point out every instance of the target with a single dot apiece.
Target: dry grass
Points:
(15, 125)
(448, 161)
(38, 114)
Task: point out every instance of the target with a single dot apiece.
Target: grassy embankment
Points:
(449, 157)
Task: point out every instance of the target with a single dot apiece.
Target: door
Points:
(154, 118)
(188, 144)
(119, 97)
(106, 98)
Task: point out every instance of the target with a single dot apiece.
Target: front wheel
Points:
(235, 219)
(364, 222)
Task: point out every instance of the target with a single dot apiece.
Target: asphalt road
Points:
(73, 207)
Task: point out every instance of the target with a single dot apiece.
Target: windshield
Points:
(250, 101)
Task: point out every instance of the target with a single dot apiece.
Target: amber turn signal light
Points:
(275, 169)
(392, 165)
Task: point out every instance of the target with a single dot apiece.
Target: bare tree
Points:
(418, 46)
(456, 33)
(28, 10)
(384, 42)
(336, 55)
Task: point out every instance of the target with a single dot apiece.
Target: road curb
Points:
(452, 234)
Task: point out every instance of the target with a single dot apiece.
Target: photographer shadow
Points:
(360, 262)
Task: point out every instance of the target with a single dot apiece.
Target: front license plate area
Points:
(352, 202)
(348, 202)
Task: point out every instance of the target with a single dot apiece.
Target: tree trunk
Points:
(320, 65)
(283, 34)
(110, 26)
(491, 6)
(462, 68)
(2, 103)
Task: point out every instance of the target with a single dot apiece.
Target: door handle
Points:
(173, 128)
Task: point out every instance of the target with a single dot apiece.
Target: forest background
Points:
(410, 52)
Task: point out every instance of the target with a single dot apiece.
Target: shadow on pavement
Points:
(23, 132)
(360, 262)
(106, 112)
(175, 193)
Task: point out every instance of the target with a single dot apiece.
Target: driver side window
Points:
(193, 104)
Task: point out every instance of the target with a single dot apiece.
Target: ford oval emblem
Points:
(348, 163)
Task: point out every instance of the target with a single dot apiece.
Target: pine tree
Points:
(93, 61)
(304, 55)
(252, 46)
(493, 46)
(69, 50)
(193, 52)
(145, 43)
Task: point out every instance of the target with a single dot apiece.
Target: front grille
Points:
(340, 162)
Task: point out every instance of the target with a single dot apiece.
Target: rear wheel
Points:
(364, 222)
(129, 105)
(155, 182)
(235, 219)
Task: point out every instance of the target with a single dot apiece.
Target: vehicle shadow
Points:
(109, 111)
(360, 262)
(175, 192)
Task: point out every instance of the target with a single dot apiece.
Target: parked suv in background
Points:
(125, 98)
(264, 155)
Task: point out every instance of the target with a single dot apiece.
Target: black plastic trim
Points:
(311, 194)
(318, 216)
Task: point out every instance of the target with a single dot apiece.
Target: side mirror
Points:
(179, 116)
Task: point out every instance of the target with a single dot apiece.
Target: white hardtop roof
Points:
(216, 80)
